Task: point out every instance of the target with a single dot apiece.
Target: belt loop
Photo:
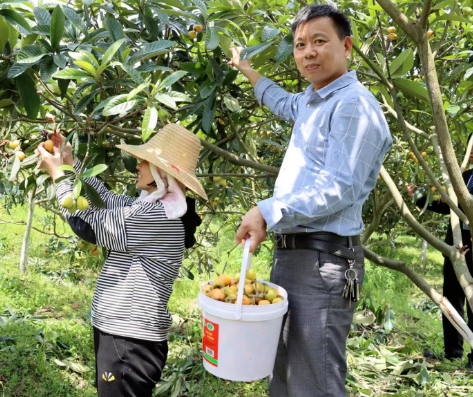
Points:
(284, 241)
(350, 242)
(293, 241)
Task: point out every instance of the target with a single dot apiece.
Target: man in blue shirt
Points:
(338, 143)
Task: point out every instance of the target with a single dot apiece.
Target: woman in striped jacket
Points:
(145, 238)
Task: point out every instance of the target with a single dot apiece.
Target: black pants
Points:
(452, 290)
(127, 367)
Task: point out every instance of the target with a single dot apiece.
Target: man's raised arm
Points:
(276, 98)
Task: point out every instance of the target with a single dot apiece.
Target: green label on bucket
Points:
(210, 341)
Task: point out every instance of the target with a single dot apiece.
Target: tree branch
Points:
(233, 158)
(413, 223)
(422, 23)
(401, 19)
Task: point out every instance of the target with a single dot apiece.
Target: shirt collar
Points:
(341, 82)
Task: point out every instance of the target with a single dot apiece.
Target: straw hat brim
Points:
(186, 178)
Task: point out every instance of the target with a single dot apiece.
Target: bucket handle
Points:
(245, 265)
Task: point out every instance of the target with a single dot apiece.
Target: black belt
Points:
(321, 241)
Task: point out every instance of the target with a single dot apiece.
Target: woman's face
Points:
(144, 176)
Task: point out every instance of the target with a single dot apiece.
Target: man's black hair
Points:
(341, 21)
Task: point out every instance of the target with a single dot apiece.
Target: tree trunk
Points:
(26, 237)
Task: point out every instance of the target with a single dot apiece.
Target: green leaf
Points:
(76, 188)
(42, 16)
(186, 272)
(249, 52)
(31, 53)
(269, 33)
(66, 167)
(285, 48)
(71, 74)
(182, 14)
(201, 5)
(17, 69)
(4, 33)
(171, 79)
(43, 30)
(115, 29)
(212, 38)
(47, 68)
(119, 105)
(60, 60)
(84, 101)
(136, 91)
(412, 89)
(29, 97)
(150, 120)
(16, 20)
(231, 103)
(58, 24)
(452, 110)
(166, 100)
(15, 168)
(468, 73)
(5, 103)
(209, 112)
(94, 171)
(109, 55)
(86, 66)
(389, 321)
(150, 50)
(423, 376)
(133, 73)
(93, 195)
(403, 63)
(179, 96)
(451, 17)
(41, 179)
(75, 19)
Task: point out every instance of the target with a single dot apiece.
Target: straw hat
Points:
(174, 150)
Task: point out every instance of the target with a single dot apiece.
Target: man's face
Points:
(319, 53)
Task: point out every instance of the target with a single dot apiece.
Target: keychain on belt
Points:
(352, 287)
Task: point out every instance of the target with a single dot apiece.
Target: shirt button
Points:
(308, 105)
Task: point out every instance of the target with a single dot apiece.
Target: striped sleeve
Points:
(111, 200)
(108, 224)
(123, 228)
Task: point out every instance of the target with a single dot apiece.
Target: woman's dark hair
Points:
(190, 220)
(340, 21)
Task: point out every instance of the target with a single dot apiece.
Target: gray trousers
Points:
(311, 357)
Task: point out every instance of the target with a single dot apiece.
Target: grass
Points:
(46, 345)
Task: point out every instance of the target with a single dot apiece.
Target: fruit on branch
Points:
(391, 29)
(49, 145)
(14, 144)
(82, 203)
(68, 202)
(392, 36)
(192, 35)
(430, 33)
(20, 155)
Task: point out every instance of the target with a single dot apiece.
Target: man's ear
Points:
(348, 44)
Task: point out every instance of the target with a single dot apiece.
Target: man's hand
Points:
(253, 225)
(243, 66)
(411, 189)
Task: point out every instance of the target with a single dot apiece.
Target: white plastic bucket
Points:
(239, 342)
